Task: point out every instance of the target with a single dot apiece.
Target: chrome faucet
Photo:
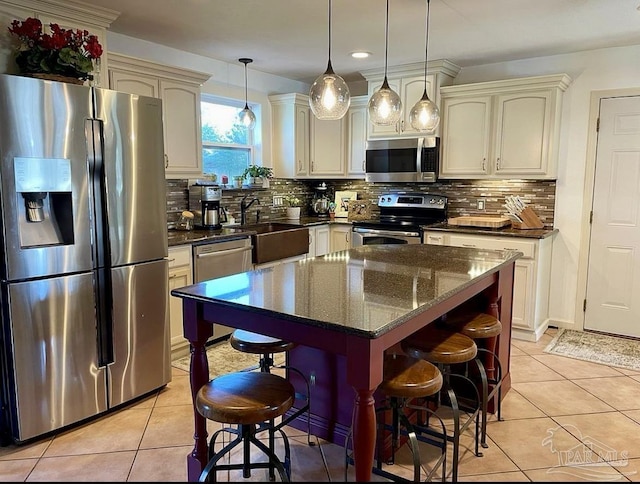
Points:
(244, 206)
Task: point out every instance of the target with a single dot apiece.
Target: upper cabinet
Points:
(502, 129)
(179, 90)
(306, 147)
(409, 82)
(68, 15)
(290, 124)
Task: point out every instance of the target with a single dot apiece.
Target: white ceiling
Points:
(290, 37)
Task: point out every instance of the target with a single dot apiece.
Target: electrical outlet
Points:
(278, 201)
(481, 204)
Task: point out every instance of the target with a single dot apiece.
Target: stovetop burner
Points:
(408, 211)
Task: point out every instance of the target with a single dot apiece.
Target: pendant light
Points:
(329, 96)
(385, 106)
(425, 115)
(246, 116)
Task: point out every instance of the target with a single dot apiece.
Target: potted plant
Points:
(293, 206)
(255, 173)
(62, 54)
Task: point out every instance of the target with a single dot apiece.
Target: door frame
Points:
(587, 198)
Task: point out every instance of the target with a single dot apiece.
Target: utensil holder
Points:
(530, 220)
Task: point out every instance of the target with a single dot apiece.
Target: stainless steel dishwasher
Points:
(218, 259)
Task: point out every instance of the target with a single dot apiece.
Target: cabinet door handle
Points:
(166, 161)
(484, 164)
(497, 163)
(468, 245)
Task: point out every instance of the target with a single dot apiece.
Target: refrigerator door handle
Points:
(102, 273)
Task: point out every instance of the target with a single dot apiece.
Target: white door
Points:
(613, 279)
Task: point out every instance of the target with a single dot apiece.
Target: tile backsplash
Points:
(463, 196)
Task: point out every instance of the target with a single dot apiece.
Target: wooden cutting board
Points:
(480, 221)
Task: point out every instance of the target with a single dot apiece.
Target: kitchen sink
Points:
(276, 240)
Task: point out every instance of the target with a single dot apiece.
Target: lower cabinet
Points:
(180, 275)
(340, 237)
(319, 240)
(530, 315)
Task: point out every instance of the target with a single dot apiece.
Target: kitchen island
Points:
(356, 304)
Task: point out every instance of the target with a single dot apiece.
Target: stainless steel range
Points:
(402, 216)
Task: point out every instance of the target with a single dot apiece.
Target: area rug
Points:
(614, 351)
(225, 359)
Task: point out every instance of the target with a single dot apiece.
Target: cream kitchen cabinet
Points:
(530, 317)
(180, 275)
(357, 136)
(328, 143)
(340, 237)
(319, 240)
(290, 124)
(179, 90)
(409, 83)
(306, 147)
(502, 129)
(68, 15)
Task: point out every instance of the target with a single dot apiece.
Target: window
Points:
(228, 147)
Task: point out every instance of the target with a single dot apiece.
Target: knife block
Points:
(530, 220)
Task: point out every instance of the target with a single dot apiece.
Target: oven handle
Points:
(390, 233)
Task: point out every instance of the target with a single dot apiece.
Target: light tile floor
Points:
(558, 408)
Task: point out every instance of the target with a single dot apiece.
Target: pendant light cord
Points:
(426, 47)
(386, 41)
(329, 31)
(246, 96)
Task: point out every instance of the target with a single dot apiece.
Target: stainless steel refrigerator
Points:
(83, 269)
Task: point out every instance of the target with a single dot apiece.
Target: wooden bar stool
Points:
(248, 400)
(404, 380)
(266, 347)
(445, 349)
(482, 327)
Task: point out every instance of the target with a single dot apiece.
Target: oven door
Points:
(367, 236)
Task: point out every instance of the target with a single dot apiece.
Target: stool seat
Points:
(256, 343)
(245, 398)
(476, 326)
(440, 346)
(246, 403)
(406, 377)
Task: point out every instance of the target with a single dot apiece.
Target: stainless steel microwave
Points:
(403, 160)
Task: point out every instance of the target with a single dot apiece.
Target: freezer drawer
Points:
(141, 339)
(53, 354)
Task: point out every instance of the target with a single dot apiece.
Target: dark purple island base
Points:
(344, 310)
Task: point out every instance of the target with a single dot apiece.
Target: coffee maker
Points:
(204, 202)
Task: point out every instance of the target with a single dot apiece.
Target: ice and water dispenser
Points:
(44, 201)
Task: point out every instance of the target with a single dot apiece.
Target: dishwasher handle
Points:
(223, 252)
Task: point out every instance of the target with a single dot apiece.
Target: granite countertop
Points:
(506, 231)
(200, 236)
(368, 290)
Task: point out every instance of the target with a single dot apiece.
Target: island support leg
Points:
(197, 331)
(364, 434)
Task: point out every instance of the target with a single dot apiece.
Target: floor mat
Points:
(609, 350)
(223, 358)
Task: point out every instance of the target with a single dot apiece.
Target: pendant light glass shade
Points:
(246, 116)
(329, 96)
(385, 106)
(425, 115)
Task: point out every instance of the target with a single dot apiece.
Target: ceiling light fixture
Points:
(385, 106)
(361, 54)
(425, 115)
(329, 96)
(246, 116)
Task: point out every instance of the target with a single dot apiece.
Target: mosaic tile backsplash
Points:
(462, 195)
